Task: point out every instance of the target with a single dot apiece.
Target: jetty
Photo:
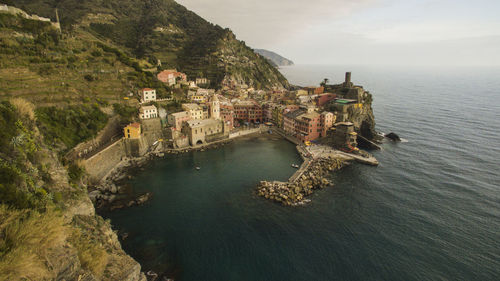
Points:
(319, 162)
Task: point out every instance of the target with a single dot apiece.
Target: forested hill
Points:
(162, 30)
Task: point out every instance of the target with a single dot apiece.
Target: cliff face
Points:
(244, 67)
(49, 229)
(359, 113)
(162, 30)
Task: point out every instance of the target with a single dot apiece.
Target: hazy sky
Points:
(420, 32)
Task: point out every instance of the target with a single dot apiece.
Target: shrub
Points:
(75, 172)
(46, 70)
(89, 77)
(96, 53)
(71, 125)
(26, 243)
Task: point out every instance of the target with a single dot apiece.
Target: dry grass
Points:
(92, 255)
(24, 107)
(26, 240)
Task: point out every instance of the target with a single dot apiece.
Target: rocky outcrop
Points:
(294, 193)
(393, 137)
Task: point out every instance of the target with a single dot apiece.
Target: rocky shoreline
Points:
(294, 192)
(113, 193)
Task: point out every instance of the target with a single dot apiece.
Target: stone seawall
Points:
(294, 192)
(244, 133)
(99, 165)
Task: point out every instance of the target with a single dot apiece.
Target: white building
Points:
(148, 112)
(147, 95)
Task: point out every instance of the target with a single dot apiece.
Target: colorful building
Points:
(307, 125)
(248, 111)
(227, 114)
(195, 110)
(325, 98)
(132, 131)
(176, 119)
(171, 76)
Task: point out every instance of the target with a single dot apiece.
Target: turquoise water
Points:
(430, 211)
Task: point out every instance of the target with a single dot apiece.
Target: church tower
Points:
(215, 107)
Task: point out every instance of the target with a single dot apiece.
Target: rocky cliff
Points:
(49, 229)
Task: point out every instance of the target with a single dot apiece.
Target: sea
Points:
(429, 211)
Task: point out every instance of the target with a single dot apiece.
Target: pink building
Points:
(176, 119)
(170, 76)
(327, 120)
(307, 126)
(227, 115)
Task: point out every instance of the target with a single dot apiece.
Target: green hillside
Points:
(162, 30)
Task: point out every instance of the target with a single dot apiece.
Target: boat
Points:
(198, 168)
(295, 166)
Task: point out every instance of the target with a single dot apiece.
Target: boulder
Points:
(393, 137)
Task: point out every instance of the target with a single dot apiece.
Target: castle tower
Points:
(215, 107)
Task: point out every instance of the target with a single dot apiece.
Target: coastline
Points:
(112, 192)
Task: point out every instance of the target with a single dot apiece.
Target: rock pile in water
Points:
(294, 193)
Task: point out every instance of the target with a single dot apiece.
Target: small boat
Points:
(295, 166)
(198, 168)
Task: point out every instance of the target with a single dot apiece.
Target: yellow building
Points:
(195, 110)
(132, 131)
(199, 99)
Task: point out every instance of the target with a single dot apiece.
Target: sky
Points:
(364, 32)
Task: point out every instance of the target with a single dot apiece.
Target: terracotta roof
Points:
(135, 125)
(147, 89)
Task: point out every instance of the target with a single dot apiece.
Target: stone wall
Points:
(108, 135)
(244, 133)
(103, 162)
(16, 11)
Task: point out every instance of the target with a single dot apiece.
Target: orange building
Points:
(132, 131)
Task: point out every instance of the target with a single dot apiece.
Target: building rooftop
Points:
(202, 123)
(310, 115)
(191, 106)
(295, 114)
(148, 107)
(147, 89)
(135, 125)
(345, 101)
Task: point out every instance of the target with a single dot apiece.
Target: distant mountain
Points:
(274, 58)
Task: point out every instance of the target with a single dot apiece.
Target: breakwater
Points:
(312, 175)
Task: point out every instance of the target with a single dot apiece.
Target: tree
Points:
(325, 81)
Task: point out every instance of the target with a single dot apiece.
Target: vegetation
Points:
(162, 30)
(128, 113)
(27, 241)
(71, 125)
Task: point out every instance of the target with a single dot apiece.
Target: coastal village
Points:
(324, 122)
(304, 116)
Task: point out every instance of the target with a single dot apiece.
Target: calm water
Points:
(430, 211)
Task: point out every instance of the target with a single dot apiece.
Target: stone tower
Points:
(348, 83)
(215, 107)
